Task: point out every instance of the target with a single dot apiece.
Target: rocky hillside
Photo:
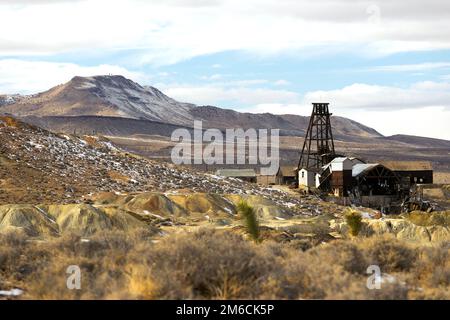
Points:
(37, 166)
(116, 96)
(6, 99)
(103, 96)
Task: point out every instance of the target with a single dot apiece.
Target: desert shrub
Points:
(14, 238)
(301, 244)
(390, 254)
(354, 221)
(208, 264)
(438, 218)
(13, 245)
(310, 275)
(433, 267)
(344, 253)
(248, 214)
(220, 264)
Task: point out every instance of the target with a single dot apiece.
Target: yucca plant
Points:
(248, 214)
(354, 221)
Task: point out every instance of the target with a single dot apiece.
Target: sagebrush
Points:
(219, 264)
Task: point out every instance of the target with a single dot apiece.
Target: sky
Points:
(383, 63)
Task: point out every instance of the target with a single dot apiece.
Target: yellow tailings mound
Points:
(111, 211)
(54, 220)
(188, 204)
(401, 228)
(153, 204)
(203, 203)
(265, 209)
(87, 219)
(28, 219)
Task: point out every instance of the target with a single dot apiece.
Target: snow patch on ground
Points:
(11, 293)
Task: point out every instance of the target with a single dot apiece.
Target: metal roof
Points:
(236, 172)
(408, 165)
(287, 171)
(339, 159)
(360, 168)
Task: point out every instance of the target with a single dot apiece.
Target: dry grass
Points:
(441, 177)
(212, 264)
(438, 218)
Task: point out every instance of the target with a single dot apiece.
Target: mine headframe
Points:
(318, 147)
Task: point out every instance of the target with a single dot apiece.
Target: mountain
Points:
(117, 98)
(7, 99)
(289, 124)
(419, 141)
(111, 96)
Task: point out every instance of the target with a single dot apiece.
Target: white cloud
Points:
(427, 122)
(387, 98)
(212, 77)
(421, 109)
(217, 95)
(282, 82)
(166, 32)
(411, 67)
(19, 76)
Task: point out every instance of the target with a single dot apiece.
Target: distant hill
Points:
(110, 96)
(118, 97)
(419, 141)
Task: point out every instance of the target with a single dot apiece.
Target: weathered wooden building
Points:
(248, 175)
(288, 174)
(416, 171)
(285, 175)
(307, 177)
(339, 171)
(371, 179)
(273, 179)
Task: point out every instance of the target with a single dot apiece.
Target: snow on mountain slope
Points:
(113, 96)
(118, 97)
(7, 99)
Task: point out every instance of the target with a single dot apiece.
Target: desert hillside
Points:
(70, 197)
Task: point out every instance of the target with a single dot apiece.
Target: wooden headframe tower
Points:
(318, 148)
